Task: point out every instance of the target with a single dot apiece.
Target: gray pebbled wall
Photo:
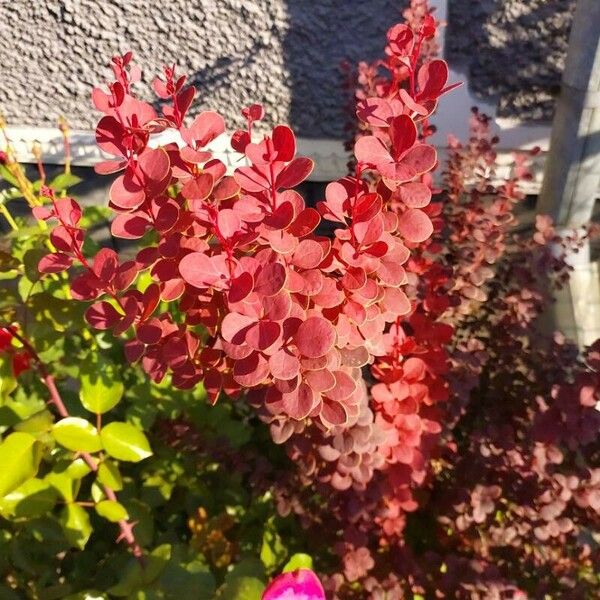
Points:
(282, 53)
(513, 50)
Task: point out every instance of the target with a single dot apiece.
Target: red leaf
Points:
(130, 226)
(105, 265)
(102, 315)
(315, 337)
(154, 164)
(270, 279)
(262, 335)
(149, 332)
(332, 414)
(403, 134)
(107, 167)
(251, 371)
(306, 222)
(126, 193)
(415, 225)
(109, 136)
(432, 78)
(299, 403)
(284, 142)
(295, 173)
(281, 217)
(55, 263)
(198, 187)
(226, 188)
(240, 287)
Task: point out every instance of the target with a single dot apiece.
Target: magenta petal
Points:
(302, 584)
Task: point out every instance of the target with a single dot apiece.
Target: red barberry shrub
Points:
(441, 446)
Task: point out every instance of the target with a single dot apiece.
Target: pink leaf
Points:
(415, 225)
(421, 158)
(228, 222)
(299, 403)
(315, 337)
(251, 180)
(198, 270)
(371, 150)
(375, 111)
(206, 127)
(308, 254)
(284, 365)
(415, 194)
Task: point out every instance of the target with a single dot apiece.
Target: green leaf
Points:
(66, 486)
(39, 422)
(77, 469)
(242, 588)
(76, 525)
(32, 499)
(20, 456)
(125, 442)
(298, 561)
(8, 382)
(182, 579)
(111, 510)
(109, 475)
(272, 552)
(101, 389)
(64, 181)
(77, 434)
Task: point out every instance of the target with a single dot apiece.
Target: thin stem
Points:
(6, 214)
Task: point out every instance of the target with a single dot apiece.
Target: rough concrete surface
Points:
(283, 53)
(513, 50)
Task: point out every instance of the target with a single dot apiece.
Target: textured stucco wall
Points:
(514, 50)
(283, 53)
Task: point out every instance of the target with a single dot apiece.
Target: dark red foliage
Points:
(393, 358)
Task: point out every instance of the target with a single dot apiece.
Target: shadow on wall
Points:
(520, 50)
(320, 36)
